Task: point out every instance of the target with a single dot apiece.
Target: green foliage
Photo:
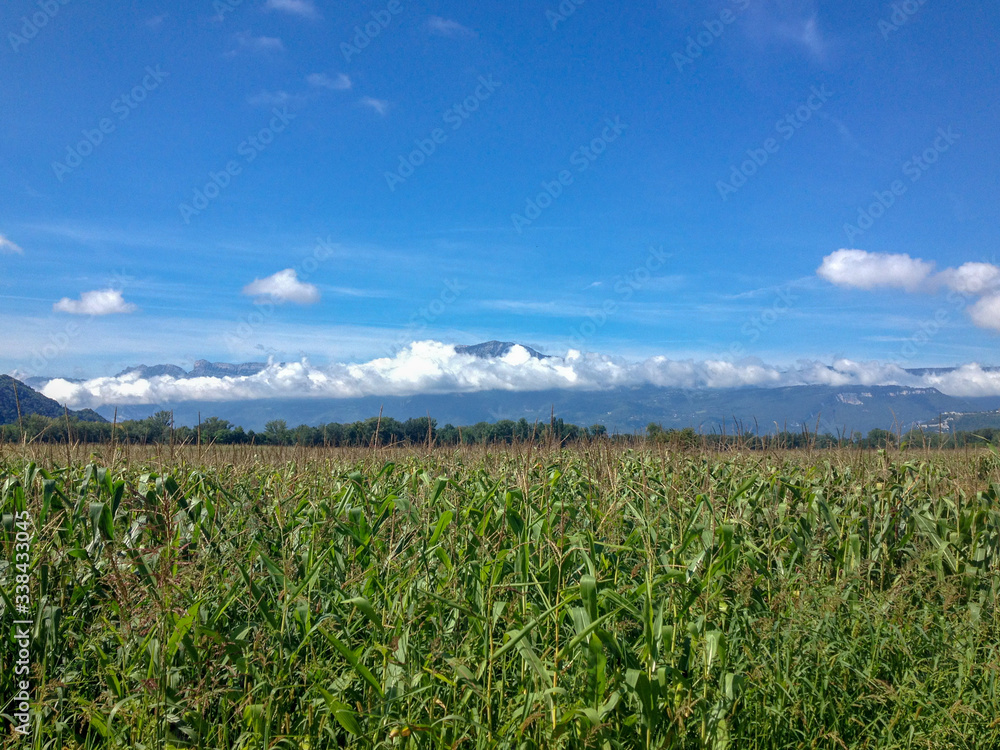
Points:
(588, 598)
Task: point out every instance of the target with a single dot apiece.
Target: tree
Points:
(276, 432)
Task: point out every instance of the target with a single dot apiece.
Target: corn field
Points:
(589, 598)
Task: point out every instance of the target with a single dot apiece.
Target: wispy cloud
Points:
(339, 82)
(379, 105)
(446, 27)
(9, 248)
(100, 302)
(528, 307)
(794, 23)
(283, 286)
(156, 21)
(805, 34)
(248, 41)
(302, 8)
(274, 99)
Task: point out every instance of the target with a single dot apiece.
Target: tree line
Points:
(381, 431)
(385, 431)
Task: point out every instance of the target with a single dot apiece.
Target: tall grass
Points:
(597, 597)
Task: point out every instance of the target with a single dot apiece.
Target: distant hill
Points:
(154, 371)
(921, 371)
(628, 409)
(33, 402)
(496, 349)
(202, 369)
(964, 422)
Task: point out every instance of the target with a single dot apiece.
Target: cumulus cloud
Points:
(986, 312)
(864, 270)
(9, 248)
(303, 8)
(100, 302)
(972, 278)
(432, 367)
(283, 286)
(447, 27)
(340, 82)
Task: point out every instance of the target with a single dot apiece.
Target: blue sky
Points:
(508, 99)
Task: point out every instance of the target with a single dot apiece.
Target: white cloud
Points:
(9, 248)
(864, 270)
(447, 27)
(259, 43)
(986, 312)
(432, 367)
(339, 82)
(100, 302)
(303, 8)
(273, 99)
(379, 105)
(972, 278)
(283, 286)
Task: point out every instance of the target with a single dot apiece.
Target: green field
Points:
(600, 597)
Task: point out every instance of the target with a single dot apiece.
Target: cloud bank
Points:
(432, 367)
(863, 270)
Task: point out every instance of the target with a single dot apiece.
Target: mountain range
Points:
(837, 410)
(833, 409)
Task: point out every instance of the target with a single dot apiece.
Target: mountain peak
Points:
(496, 349)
